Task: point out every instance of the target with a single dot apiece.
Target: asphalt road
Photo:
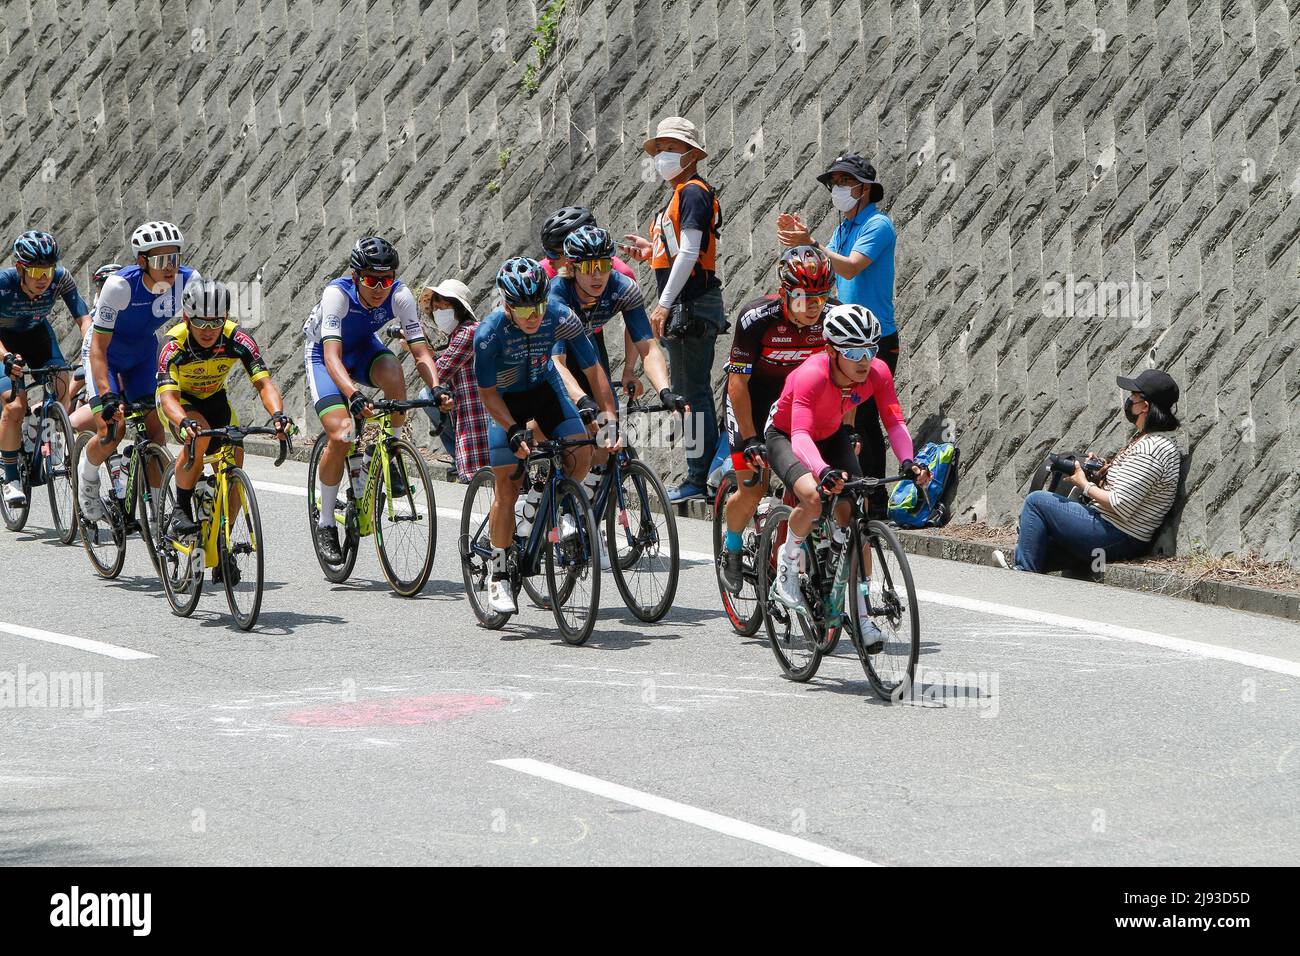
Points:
(1092, 726)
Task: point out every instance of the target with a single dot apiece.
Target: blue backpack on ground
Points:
(907, 508)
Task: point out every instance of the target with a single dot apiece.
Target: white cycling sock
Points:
(329, 494)
(498, 561)
(790, 550)
(864, 611)
(86, 471)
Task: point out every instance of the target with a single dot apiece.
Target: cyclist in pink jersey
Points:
(810, 442)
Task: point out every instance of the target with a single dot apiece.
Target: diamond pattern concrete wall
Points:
(1021, 144)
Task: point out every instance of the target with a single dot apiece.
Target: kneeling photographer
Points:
(1124, 500)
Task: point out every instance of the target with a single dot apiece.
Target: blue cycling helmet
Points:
(35, 248)
(588, 242)
(522, 281)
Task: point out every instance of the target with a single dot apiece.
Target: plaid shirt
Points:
(456, 369)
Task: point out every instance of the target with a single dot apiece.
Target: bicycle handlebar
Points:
(129, 410)
(235, 434)
(548, 450)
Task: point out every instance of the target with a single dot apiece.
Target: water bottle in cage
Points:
(526, 508)
(357, 467)
(31, 433)
(117, 471)
(202, 501)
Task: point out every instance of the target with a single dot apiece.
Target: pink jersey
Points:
(619, 266)
(811, 408)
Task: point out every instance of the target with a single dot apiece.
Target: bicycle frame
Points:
(139, 440)
(219, 521)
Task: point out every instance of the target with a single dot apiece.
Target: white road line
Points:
(781, 842)
(1118, 632)
(1096, 629)
(77, 643)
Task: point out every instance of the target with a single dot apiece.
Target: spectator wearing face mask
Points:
(861, 251)
(1121, 512)
(683, 249)
(465, 427)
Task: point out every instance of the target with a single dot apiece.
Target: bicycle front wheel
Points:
(105, 539)
(241, 551)
(406, 524)
(891, 599)
(152, 464)
(15, 516)
(791, 634)
(60, 476)
(180, 563)
(348, 539)
(572, 562)
(641, 532)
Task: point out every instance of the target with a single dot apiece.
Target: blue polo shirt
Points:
(871, 233)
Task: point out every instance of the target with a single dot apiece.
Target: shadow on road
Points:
(25, 841)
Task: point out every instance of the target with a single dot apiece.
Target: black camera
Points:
(1065, 465)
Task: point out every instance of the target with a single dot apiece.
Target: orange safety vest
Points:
(666, 230)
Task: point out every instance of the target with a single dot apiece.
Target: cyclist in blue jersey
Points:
(121, 353)
(343, 353)
(519, 382)
(28, 293)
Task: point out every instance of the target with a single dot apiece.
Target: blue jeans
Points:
(1056, 533)
(690, 367)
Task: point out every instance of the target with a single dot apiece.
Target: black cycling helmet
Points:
(206, 299)
(588, 242)
(374, 252)
(100, 275)
(522, 281)
(562, 222)
(35, 248)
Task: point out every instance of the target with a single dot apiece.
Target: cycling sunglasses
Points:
(167, 260)
(858, 355)
(39, 272)
(594, 266)
(378, 282)
(808, 301)
(210, 325)
(523, 312)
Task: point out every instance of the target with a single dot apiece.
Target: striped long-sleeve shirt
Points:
(1143, 482)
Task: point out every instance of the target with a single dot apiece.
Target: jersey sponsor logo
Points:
(740, 368)
(787, 355)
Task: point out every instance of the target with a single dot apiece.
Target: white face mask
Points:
(445, 320)
(842, 198)
(668, 164)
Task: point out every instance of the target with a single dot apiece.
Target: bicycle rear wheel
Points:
(744, 610)
(243, 556)
(405, 526)
(104, 540)
(348, 540)
(790, 633)
(572, 562)
(152, 465)
(60, 476)
(894, 609)
(181, 571)
(642, 539)
(475, 546)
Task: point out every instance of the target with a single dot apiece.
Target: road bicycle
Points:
(229, 540)
(394, 505)
(128, 483)
(744, 608)
(830, 582)
(47, 455)
(560, 543)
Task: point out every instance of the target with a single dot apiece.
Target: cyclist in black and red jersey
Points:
(774, 335)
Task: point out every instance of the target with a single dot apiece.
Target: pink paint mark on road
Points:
(394, 711)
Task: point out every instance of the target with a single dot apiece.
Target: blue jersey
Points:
(132, 313)
(342, 317)
(512, 361)
(622, 296)
(22, 314)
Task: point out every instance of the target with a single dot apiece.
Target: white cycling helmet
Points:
(851, 326)
(154, 235)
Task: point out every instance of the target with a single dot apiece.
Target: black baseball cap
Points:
(854, 165)
(1156, 386)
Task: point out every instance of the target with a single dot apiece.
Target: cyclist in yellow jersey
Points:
(192, 369)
